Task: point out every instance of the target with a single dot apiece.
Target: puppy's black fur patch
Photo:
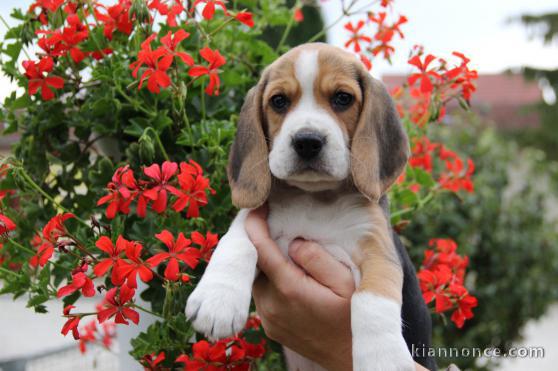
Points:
(415, 316)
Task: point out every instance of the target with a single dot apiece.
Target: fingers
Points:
(323, 267)
(270, 258)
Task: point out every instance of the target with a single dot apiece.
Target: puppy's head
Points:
(315, 120)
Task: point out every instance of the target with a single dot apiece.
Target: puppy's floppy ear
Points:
(379, 147)
(248, 169)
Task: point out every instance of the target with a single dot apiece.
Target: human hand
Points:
(306, 307)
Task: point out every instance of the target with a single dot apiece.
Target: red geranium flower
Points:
(179, 250)
(105, 244)
(120, 196)
(87, 335)
(173, 41)
(38, 75)
(193, 187)
(424, 74)
(117, 17)
(151, 361)
(157, 61)
(209, 9)
(205, 356)
(356, 37)
(118, 307)
(46, 243)
(246, 18)
(206, 243)
(161, 176)
(128, 271)
(71, 324)
(45, 6)
(80, 281)
(298, 15)
(465, 304)
(6, 225)
(45, 250)
(170, 12)
(215, 60)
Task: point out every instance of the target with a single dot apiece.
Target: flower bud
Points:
(146, 149)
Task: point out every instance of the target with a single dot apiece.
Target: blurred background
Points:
(508, 226)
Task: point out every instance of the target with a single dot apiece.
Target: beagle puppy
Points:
(319, 140)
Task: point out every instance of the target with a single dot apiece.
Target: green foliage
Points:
(507, 229)
(545, 137)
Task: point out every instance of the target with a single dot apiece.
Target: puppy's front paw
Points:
(381, 353)
(218, 310)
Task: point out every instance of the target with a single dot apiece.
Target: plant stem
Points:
(20, 246)
(147, 311)
(133, 102)
(159, 143)
(169, 297)
(220, 27)
(287, 30)
(34, 185)
(2, 269)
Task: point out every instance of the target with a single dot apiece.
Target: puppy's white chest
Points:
(337, 226)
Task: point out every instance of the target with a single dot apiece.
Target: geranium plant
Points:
(125, 114)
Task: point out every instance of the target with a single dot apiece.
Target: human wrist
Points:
(339, 360)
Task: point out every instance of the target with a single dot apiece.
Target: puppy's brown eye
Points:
(341, 100)
(279, 102)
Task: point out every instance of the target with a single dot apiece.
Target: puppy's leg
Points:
(219, 305)
(378, 342)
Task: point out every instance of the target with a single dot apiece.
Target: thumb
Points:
(323, 267)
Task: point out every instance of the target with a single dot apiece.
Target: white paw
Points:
(378, 343)
(382, 353)
(218, 310)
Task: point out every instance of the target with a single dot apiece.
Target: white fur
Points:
(337, 226)
(308, 115)
(378, 342)
(220, 303)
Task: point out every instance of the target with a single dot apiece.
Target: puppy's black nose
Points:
(308, 144)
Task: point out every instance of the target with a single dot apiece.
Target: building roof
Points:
(503, 99)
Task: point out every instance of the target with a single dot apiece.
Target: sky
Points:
(481, 29)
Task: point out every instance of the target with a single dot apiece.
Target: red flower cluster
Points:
(157, 62)
(215, 60)
(385, 34)
(454, 177)
(381, 37)
(441, 79)
(152, 361)
(179, 251)
(65, 41)
(433, 86)
(441, 280)
(39, 76)
(6, 225)
(46, 243)
(115, 18)
(80, 282)
(189, 187)
(234, 353)
(93, 333)
(119, 306)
